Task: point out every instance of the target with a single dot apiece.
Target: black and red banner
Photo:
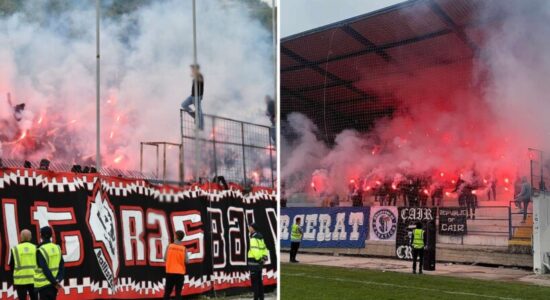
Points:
(113, 232)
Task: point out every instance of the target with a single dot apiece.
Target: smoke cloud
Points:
(448, 119)
(48, 63)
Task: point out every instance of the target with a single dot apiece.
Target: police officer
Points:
(257, 256)
(176, 259)
(50, 266)
(295, 239)
(23, 263)
(418, 244)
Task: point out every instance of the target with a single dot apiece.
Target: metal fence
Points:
(539, 170)
(239, 151)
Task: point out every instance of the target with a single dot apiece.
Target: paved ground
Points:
(455, 270)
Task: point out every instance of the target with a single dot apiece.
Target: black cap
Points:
(46, 232)
(254, 225)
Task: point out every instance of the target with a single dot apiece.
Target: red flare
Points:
(378, 182)
(441, 174)
(118, 159)
(506, 180)
(426, 191)
(474, 192)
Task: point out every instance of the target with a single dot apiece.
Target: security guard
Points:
(50, 270)
(418, 245)
(295, 239)
(257, 256)
(23, 264)
(176, 259)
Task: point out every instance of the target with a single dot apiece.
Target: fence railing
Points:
(239, 151)
(513, 223)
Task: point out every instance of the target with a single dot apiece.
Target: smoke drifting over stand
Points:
(479, 113)
(48, 63)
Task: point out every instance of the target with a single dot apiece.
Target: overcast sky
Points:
(301, 15)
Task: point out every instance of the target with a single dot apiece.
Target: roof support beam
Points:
(363, 40)
(456, 29)
(323, 72)
(369, 50)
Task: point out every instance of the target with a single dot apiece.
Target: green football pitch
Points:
(300, 281)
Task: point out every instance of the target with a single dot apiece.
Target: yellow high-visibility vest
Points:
(418, 238)
(52, 254)
(257, 249)
(295, 234)
(24, 258)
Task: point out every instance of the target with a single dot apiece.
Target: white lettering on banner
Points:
(404, 252)
(218, 239)
(324, 228)
(9, 208)
(132, 235)
(42, 215)
(355, 220)
(311, 223)
(416, 214)
(339, 233)
(157, 242)
(190, 223)
(284, 220)
(237, 236)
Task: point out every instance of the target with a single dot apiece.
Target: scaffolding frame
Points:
(158, 146)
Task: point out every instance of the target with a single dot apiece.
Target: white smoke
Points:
(48, 62)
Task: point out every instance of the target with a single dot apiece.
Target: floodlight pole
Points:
(98, 118)
(196, 98)
(274, 29)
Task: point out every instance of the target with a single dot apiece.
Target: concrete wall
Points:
(492, 255)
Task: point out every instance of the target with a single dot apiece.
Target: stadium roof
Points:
(337, 74)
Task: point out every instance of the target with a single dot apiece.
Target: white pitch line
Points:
(399, 286)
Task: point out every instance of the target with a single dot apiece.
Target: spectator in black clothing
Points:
(198, 82)
(271, 113)
(418, 244)
(48, 292)
(437, 195)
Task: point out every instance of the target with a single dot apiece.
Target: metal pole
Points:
(182, 154)
(181, 164)
(164, 164)
(197, 111)
(271, 161)
(141, 157)
(244, 157)
(214, 146)
(98, 118)
(274, 29)
(158, 163)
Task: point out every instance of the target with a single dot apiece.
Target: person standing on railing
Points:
(517, 190)
(198, 87)
(524, 196)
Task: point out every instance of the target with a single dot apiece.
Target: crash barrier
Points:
(113, 232)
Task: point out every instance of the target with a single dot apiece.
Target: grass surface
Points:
(320, 282)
